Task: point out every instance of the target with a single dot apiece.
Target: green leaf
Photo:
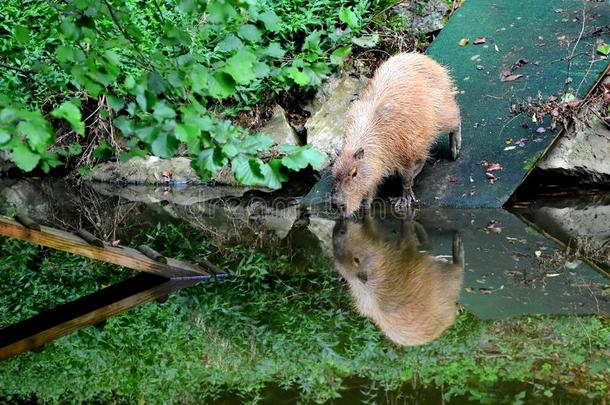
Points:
(348, 16)
(220, 12)
(255, 143)
(164, 145)
(249, 32)
(298, 76)
(22, 34)
(568, 97)
(38, 134)
(162, 111)
(4, 136)
(230, 43)
(273, 174)
(312, 41)
(103, 151)
(366, 41)
(339, 54)
(209, 162)
(84, 171)
(247, 171)
(70, 113)
(221, 85)
(75, 148)
(24, 158)
(261, 69)
(299, 157)
(604, 49)
(115, 103)
(271, 21)
(274, 50)
(241, 66)
(156, 83)
(199, 78)
(186, 133)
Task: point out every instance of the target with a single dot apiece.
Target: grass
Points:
(270, 327)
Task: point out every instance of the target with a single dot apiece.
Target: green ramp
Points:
(551, 37)
(543, 33)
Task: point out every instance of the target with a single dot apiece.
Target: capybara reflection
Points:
(410, 295)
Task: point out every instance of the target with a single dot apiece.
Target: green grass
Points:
(269, 326)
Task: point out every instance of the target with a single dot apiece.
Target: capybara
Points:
(410, 295)
(391, 128)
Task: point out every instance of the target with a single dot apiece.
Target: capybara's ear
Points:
(359, 154)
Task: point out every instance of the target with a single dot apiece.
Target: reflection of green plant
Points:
(268, 325)
(166, 73)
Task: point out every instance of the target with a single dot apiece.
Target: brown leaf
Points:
(492, 227)
(479, 40)
(463, 42)
(490, 167)
(115, 243)
(541, 130)
(519, 63)
(510, 78)
(454, 179)
(490, 176)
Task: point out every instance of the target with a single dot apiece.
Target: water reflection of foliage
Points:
(267, 325)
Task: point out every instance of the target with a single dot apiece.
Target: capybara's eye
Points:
(354, 174)
(356, 261)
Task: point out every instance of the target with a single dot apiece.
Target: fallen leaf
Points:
(497, 49)
(510, 78)
(115, 243)
(519, 63)
(538, 253)
(521, 142)
(510, 148)
(468, 289)
(480, 67)
(479, 40)
(558, 10)
(454, 179)
(553, 274)
(490, 167)
(463, 42)
(492, 227)
(540, 130)
(604, 49)
(486, 291)
(490, 176)
(568, 80)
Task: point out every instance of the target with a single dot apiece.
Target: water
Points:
(478, 305)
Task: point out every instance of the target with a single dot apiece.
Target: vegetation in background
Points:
(130, 77)
(267, 326)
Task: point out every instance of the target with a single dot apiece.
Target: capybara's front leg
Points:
(455, 141)
(458, 249)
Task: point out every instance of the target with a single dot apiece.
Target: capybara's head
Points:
(353, 178)
(409, 294)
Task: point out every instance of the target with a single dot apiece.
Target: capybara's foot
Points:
(455, 142)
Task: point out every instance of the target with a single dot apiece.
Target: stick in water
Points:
(152, 254)
(89, 238)
(27, 222)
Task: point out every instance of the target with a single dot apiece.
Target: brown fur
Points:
(407, 104)
(410, 295)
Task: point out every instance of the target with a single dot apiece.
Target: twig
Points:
(579, 35)
(26, 72)
(508, 122)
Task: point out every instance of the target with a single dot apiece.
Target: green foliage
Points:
(271, 325)
(167, 72)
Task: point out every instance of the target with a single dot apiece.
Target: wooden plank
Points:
(121, 255)
(92, 309)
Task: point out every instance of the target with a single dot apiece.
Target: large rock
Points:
(279, 128)
(581, 156)
(150, 171)
(5, 163)
(326, 127)
(423, 16)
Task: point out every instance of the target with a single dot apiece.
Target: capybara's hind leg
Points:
(455, 141)
(458, 249)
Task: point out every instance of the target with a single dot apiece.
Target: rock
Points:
(148, 170)
(5, 163)
(580, 156)
(325, 127)
(279, 128)
(423, 16)
(323, 229)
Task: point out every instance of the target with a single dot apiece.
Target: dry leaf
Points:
(454, 179)
(541, 130)
(510, 78)
(463, 42)
(510, 148)
(519, 63)
(492, 227)
(115, 243)
(479, 40)
(490, 167)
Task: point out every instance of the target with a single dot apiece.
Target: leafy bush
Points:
(166, 73)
